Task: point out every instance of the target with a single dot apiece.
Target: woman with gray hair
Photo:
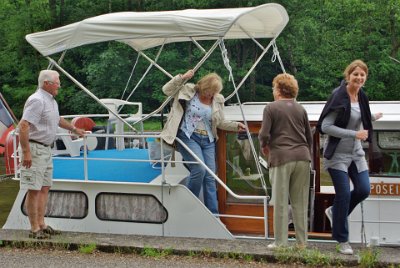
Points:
(286, 139)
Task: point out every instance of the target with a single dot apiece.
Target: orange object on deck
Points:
(83, 123)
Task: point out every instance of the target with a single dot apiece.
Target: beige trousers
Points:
(290, 181)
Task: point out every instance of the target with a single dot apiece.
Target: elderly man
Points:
(37, 131)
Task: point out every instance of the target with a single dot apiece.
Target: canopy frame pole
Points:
(394, 59)
(50, 66)
(155, 64)
(265, 50)
(275, 49)
(252, 37)
(224, 53)
(143, 76)
(198, 65)
(87, 91)
(198, 45)
(130, 76)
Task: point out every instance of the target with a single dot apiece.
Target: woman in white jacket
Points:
(196, 113)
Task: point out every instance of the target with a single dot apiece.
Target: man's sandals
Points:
(39, 235)
(45, 233)
(49, 230)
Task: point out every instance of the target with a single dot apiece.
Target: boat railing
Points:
(163, 163)
(264, 198)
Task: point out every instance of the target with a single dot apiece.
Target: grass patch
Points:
(312, 257)
(207, 252)
(368, 257)
(87, 248)
(192, 254)
(156, 253)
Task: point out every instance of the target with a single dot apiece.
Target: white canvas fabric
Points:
(143, 30)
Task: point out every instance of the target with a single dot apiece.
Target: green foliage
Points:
(156, 253)
(312, 257)
(369, 257)
(321, 38)
(87, 249)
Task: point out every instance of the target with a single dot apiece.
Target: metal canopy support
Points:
(198, 45)
(130, 77)
(251, 69)
(198, 65)
(144, 75)
(88, 91)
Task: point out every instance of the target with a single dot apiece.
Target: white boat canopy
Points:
(143, 30)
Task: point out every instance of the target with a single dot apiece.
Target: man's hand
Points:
(78, 131)
(23, 128)
(27, 159)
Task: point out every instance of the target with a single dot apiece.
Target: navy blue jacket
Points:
(339, 101)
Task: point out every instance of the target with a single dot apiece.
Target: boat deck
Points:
(129, 165)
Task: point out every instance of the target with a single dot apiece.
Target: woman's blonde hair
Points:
(211, 83)
(286, 85)
(352, 66)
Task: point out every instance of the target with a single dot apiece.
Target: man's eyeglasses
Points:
(54, 83)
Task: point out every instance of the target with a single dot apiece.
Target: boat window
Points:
(130, 207)
(384, 153)
(325, 179)
(65, 204)
(241, 171)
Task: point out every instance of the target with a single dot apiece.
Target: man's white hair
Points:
(47, 75)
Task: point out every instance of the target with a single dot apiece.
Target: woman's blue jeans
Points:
(346, 200)
(199, 177)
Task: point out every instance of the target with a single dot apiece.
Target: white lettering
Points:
(378, 189)
(385, 189)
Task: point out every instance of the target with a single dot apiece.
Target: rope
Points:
(225, 58)
(224, 53)
(276, 55)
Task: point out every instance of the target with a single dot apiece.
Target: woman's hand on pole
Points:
(241, 127)
(188, 75)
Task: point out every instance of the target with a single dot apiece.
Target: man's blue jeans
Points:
(346, 200)
(205, 150)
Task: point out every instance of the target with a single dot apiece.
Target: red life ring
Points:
(8, 149)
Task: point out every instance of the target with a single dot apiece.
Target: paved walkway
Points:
(185, 246)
